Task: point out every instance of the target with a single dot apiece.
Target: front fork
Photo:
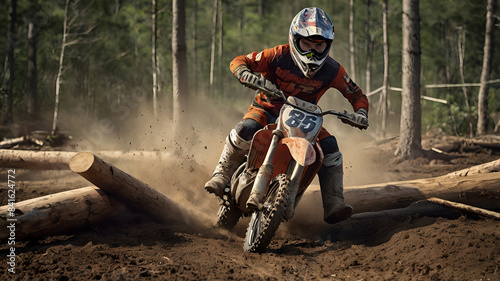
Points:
(263, 178)
(264, 175)
(297, 173)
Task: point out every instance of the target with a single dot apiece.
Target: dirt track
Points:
(413, 249)
(135, 248)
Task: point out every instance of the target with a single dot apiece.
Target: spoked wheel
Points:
(264, 223)
(228, 214)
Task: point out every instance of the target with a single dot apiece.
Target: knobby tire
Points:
(264, 223)
(228, 216)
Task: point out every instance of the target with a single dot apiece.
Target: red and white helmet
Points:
(314, 24)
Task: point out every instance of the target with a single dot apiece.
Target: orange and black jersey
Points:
(277, 66)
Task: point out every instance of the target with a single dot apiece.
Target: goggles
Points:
(312, 53)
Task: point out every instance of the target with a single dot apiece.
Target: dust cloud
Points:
(184, 163)
(177, 166)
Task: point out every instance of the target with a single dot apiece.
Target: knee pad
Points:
(333, 159)
(329, 145)
(237, 141)
(247, 128)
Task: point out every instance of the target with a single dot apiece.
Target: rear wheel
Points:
(264, 223)
(228, 216)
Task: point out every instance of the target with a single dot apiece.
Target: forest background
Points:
(108, 67)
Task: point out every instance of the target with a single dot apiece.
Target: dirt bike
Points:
(281, 163)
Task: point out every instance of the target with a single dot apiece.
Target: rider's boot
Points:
(231, 158)
(331, 178)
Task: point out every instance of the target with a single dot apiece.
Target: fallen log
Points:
(59, 160)
(37, 160)
(20, 140)
(477, 190)
(488, 145)
(12, 142)
(57, 213)
(130, 190)
(31, 189)
(490, 167)
(363, 225)
(465, 208)
(481, 190)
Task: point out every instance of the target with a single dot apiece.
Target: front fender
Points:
(301, 150)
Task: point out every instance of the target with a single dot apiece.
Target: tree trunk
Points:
(410, 127)
(31, 77)
(220, 90)
(179, 65)
(461, 54)
(212, 52)
(130, 190)
(60, 71)
(351, 41)
(7, 118)
(241, 28)
(58, 213)
(194, 67)
(370, 42)
(384, 108)
(489, 40)
(154, 64)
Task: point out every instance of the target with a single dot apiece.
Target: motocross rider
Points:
(301, 68)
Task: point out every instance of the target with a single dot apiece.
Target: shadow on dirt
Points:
(369, 229)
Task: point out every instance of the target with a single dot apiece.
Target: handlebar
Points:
(271, 90)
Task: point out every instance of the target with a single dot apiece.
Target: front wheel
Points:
(264, 223)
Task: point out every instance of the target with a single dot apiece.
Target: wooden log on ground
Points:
(490, 167)
(465, 208)
(12, 142)
(480, 190)
(130, 190)
(362, 225)
(57, 213)
(31, 189)
(37, 160)
(59, 160)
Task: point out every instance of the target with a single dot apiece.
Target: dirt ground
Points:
(133, 247)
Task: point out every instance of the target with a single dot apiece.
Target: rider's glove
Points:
(246, 76)
(359, 119)
(361, 116)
